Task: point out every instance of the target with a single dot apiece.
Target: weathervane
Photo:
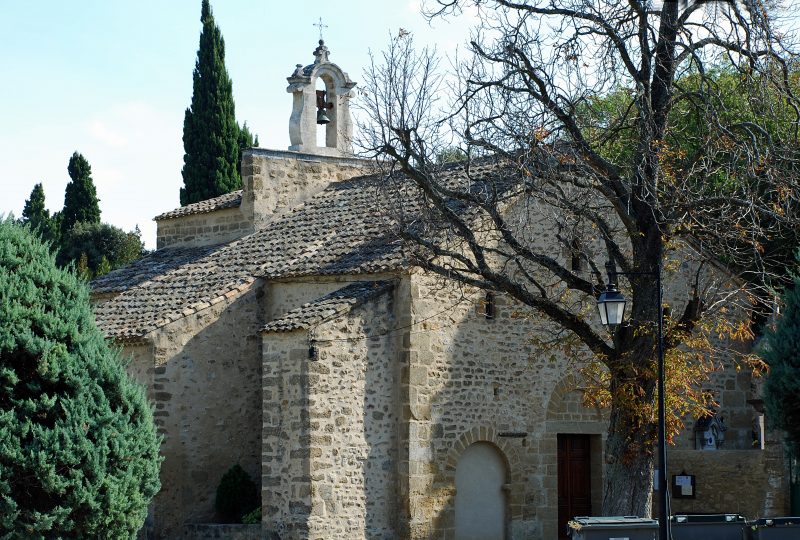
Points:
(321, 26)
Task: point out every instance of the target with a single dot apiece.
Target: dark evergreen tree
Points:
(35, 211)
(237, 495)
(246, 140)
(37, 216)
(80, 197)
(210, 131)
(781, 352)
(79, 452)
(102, 247)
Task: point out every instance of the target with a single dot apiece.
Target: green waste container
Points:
(779, 528)
(613, 528)
(707, 526)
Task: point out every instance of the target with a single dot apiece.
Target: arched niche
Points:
(481, 506)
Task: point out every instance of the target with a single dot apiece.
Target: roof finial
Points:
(321, 53)
(321, 26)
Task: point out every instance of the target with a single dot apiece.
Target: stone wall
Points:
(282, 297)
(353, 416)
(285, 481)
(754, 483)
(204, 229)
(732, 389)
(275, 181)
(206, 388)
(139, 363)
(330, 425)
(138, 358)
(472, 379)
(467, 378)
(213, 531)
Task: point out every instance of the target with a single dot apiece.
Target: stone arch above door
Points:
(484, 434)
(566, 404)
(514, 479)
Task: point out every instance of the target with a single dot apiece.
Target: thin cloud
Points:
(106, 135)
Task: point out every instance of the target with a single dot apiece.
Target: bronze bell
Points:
(322, 106)
(322, 117)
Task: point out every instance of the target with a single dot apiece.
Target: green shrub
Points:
(78, 447)
(237, 495)
(253, 517)
(98, 248)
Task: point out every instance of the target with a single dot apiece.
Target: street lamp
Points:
(611, 305)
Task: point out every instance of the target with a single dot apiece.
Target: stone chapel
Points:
(280, 327)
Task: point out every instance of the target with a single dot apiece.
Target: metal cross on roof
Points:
(321, 26)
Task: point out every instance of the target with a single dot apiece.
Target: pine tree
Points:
(37, 216)
(210, 131)
(782, 385)
(79, 451)
(80, 198)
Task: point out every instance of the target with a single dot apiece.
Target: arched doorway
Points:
(480, 498)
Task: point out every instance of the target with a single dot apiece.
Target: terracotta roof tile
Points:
(344, 230)
(229, 200)
(324, 308)
(141, 270)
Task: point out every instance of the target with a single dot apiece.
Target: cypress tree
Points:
(78, 446)
(80, 197)
(37, 216)
(782, 385)
(245, 140)
(35, 211)
(210, 131)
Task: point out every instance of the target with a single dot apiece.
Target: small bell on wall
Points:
(322, 105)
(322, 117)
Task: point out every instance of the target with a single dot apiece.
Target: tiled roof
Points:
(141, 270)
(229, 200)
(328, 306)
(343, 230)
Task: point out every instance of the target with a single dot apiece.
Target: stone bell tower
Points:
(329, 108)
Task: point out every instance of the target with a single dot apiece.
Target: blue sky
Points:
(111, 79)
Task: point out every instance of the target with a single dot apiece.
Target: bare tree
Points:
(628, 128)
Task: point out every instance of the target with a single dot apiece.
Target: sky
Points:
(112, 79)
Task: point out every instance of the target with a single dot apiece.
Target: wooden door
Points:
(574, 479)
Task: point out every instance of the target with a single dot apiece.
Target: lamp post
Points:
(611, 304)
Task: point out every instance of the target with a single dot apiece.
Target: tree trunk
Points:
(632, 431)
(628, 489)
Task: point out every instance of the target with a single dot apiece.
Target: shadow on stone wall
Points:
(380, 465)
(207, 395)
(481, 379)
(463, 378)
